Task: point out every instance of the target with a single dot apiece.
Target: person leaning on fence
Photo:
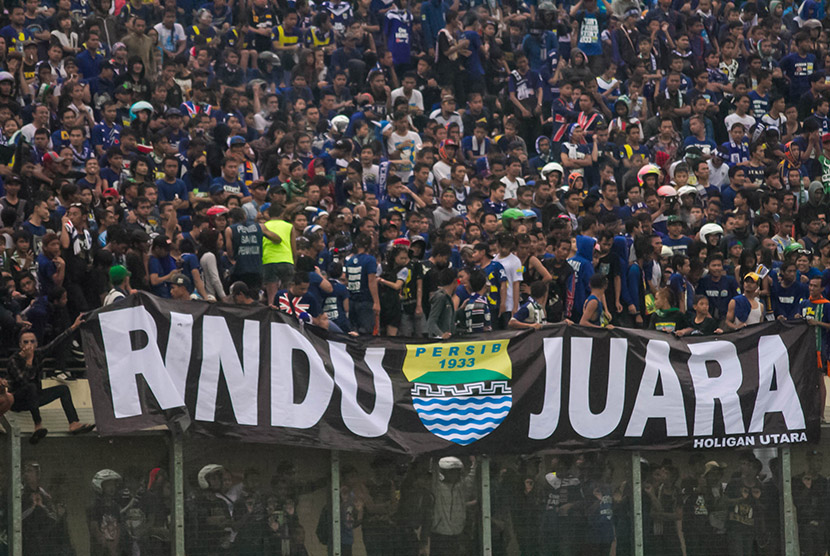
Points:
(24, 376)
(531, 314)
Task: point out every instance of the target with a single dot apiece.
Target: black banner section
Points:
(256, 375)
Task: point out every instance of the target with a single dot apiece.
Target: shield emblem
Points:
(461, 391)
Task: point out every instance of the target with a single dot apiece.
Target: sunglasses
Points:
(28, 341)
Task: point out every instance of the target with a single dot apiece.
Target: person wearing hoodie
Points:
(583, 266)
(441, 322)
(815, 207)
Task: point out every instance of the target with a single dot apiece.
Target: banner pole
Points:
(177, 474)
(486, 511)
(637, 499)
(335, 503)
(15, 525)
(790, 543)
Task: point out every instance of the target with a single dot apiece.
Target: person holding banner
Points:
(817, 312)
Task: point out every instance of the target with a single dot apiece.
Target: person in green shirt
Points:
(701, 323)
(278, 237)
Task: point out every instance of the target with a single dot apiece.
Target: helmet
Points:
(529, 213)
(6, 76)
(340, 123)
(442, 149)
(552, 167)
(138, 107)
(666, 191)
(217, 209)
(450, 462)
(793, 248)
(573, 176)
(205, 471)
(648, 169)
(511, 214)
(687, 190)
(709, 229)
(103, 476)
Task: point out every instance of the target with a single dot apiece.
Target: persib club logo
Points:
(461, 391)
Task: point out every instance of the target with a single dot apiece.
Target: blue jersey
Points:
(719, 294)
(590, 28)
(496, 277)
(759, 104)
(786, 300)
(738, 152)
(798, 70)
(358, 268)
(397, 28)
(106, 136)
(334, 305)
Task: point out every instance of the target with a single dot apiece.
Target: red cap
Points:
(449, 142)
(825, 138)
(51, 156)
(401, 241)
(110, 192)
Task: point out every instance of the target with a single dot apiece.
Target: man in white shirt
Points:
(413, 96)
(171, 35)
(447, 114)
(40, 120)
(512, 180)
(402, 145)
(513, 270)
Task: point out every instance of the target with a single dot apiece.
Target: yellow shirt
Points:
(278, 252)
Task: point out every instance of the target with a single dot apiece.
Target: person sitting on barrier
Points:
(24, 375)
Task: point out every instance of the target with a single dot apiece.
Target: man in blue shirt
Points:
(361, 270)
(229, 180)
(170, 187)
(161, 267)
(728, 191)
(15, 33)
(717, 287)
(799, 66)
(787, 292)
(89, 61)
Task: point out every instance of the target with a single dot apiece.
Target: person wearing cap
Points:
(181, 288)
(446, 114)
(675, 240)
(746, 309)
(120, 288)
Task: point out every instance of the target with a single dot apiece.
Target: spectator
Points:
(25, 373)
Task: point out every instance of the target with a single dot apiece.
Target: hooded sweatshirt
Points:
(583, 266)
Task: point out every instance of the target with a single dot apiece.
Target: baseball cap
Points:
(752, 275)
(6, 76)
(236, 140)
(50, 156)
(173, 112)
(825, 138)
(110, 192)
(276, 189)
(217, 189)
(674, 219)
(181, 280)
(639, 206)
(447, 98)
(118, 273)
(449, 143)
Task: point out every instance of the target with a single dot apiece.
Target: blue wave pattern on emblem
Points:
(462, 413)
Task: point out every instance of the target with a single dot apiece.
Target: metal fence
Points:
(156, 494)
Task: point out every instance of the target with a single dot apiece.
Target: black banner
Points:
(254, 374)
